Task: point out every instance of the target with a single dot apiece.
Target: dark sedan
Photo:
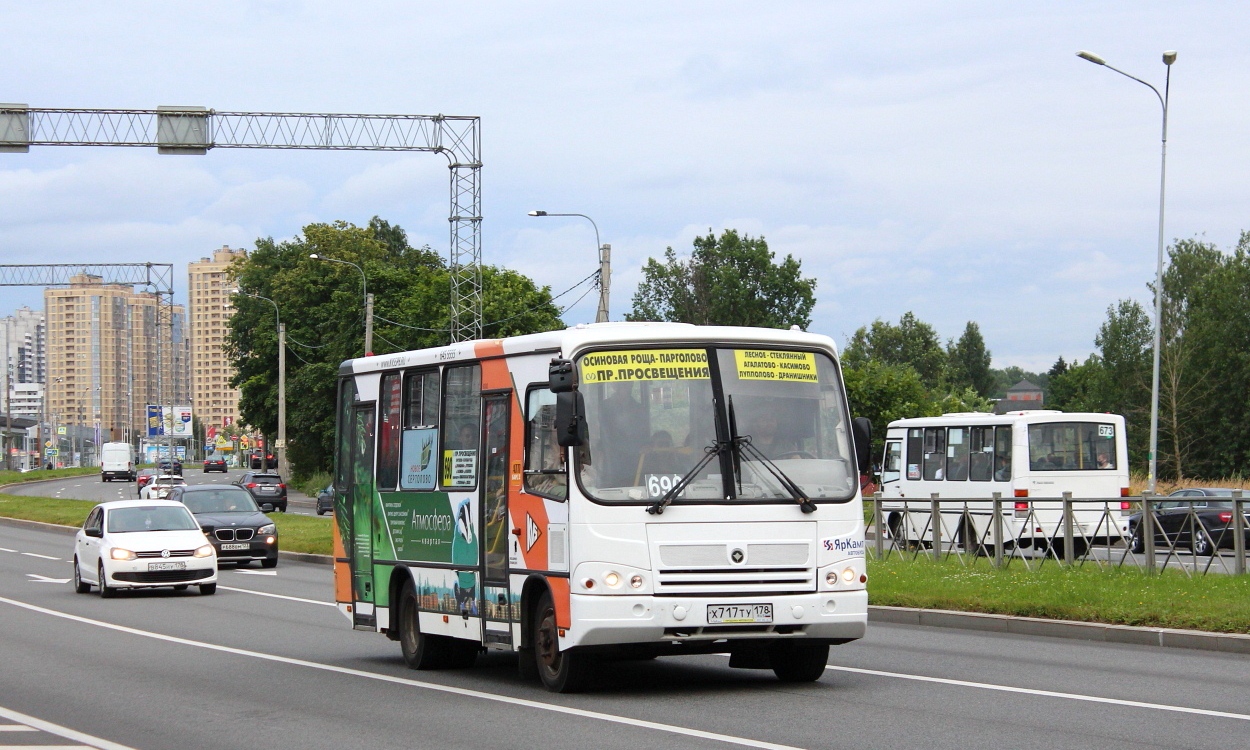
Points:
(1201, 519)
(170, 468)
(215, 464)
(325, 501)
(232, 522)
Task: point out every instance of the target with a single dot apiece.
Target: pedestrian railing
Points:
(1148, 532)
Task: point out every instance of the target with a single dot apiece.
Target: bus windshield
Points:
(653, 414)
(1071, 446)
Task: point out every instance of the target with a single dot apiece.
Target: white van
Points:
(116, 462)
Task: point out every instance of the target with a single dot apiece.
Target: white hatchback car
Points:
(142, 544)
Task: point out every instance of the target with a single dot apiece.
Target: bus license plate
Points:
(155, 566)
(227, 547)
(739, 614)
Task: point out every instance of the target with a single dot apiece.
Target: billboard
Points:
(173, 421)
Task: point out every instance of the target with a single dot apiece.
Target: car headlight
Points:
(268, 528)
(117, 553)
(204, 551)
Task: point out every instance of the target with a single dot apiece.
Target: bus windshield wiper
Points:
(742, 446)
(710, 452)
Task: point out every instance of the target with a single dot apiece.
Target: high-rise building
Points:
(208, 292)
(105, 364)
(23, 351)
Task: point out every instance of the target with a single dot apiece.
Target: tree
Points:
(912, 342)
(883, 393)
(1078, 386)
(321, 305)
(731, 280)
(1125, 341)
(969, 365)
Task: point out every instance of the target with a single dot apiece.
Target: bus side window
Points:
(419, 465)
(981, 464)
(546, 473)
(915, 453)
(389, 432)
(342, 463)
(934, 452)
(1002, 454)
(957, 454)
(462, 425)
(891, 469)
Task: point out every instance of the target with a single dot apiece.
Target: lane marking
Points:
(70, 734)
(6, 549)
(465, 692)
(276, 596)
(256, 572)
(1044, 693)
(45, 557)
(16, 728)
(36, 578)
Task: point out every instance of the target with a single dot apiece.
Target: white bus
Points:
(618, 489)
(1024, 456)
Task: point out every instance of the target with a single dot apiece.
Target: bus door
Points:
(496, 599)
(360, 491)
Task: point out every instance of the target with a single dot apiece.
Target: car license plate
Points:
(739, 614)
(228, 547)
(166, 566)
(268, 489)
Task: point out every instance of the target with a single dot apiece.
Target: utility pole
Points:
(368, 325)
(281, 447)
(605, 282)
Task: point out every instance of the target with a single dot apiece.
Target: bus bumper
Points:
(606, 620)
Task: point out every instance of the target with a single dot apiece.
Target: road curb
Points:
(1232, 643)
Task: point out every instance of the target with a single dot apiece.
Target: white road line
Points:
(275, 596)
(494, 697)
(36, 554)
(1044, 693)
(16, 728)
(46, 747)
(6, 549)
(60, 731)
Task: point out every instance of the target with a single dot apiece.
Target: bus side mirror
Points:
(561, 376)
(861, 431)
(571, 419)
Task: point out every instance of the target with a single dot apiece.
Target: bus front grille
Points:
(735, 581)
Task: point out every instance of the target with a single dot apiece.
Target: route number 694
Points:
(659, 484)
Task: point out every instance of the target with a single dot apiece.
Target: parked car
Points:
(266, 489)
(160, 486)
(233, 523)
(116, 462)
(325, 501)
(128, 544)
(263, 461)
(1200, 518)
(170, 468)
(215, 464)
(143, 478)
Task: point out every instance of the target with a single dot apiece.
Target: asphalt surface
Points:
(267, 662)
(91, 488)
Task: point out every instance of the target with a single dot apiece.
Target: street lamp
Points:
(1169, 57)
(281, 444)
(364, 283)
(605, 265)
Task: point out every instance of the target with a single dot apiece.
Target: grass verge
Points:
(313, 483)
(295, 533)
(17, 477)
(1216, 603)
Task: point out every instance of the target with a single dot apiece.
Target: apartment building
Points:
(104, 361)
(23, 351)
(209, 284)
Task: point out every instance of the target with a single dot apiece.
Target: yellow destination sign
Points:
(774, 364)
(645, 364)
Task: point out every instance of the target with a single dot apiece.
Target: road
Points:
(268, 662)
(91, 488)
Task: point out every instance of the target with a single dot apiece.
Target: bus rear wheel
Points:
(420, 651)
(560, 671)
(795, 661)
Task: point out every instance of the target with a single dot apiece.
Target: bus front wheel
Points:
(560, 671)
(795, 661)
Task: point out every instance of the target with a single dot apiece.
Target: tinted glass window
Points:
(421, 400)
(891, 469)
(957, 454)
(462, 419)
(915, 452)
(934, 452)
(389, 430)
(981, 454)
(1002, 454)
(219, 501)
(545, 470)
(1072, 446)
(150, 518)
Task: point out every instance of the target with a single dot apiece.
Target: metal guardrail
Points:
(1066, 531)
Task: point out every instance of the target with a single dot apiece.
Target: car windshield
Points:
(219, 501)
(150, 518)
(652, 417)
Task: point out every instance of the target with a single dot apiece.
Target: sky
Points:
(952, 159)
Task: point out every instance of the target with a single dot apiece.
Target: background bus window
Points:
(1002, 454)
(981, 454)
(957, 454)
(389, 431)
(545, 470)
(421, 400)
(419, 460)
(1071, 446)
(934, 452)
(462, 419)
(915, 452)
(891, 470)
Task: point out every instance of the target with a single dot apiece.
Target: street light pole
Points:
(605, 266)
(364, 285)
(280, 448)
(1169, 57)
